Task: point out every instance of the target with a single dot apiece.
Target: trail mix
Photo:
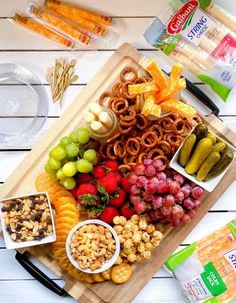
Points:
(28, 218)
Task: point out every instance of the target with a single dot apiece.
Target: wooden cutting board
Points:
(22, 181)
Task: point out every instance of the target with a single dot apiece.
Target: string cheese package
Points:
(202, 36)
(206, 269)
(57, 20)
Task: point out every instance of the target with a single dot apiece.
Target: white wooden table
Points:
(17, 46)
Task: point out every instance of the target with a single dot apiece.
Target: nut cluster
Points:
(28, 218)
(92, 245)
(138, 237)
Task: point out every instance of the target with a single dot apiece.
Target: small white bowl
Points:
(107, 264)
(10, 244)
(208, 185)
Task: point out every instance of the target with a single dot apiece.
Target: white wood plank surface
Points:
(37, 54)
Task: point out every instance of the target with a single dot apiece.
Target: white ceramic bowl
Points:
(10, 244)
(208, 185)
(107, 264)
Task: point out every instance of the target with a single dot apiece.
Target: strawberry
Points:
(118, 178)
(112, 165)
(83, 178)
(99, 171)
(109, 183)
(74, 192)
(94, 213)
(125, 184)
(127, 211)
(108, 214)
(87, 188)
(118, 198)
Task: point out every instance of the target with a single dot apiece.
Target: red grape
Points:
(147, 197)
(140, 207)
(139, 169)
(179, 197)
(150, 171)
(175, 222)
(133, 178)
(157, 202)
(186, 218)
(169, 180)
(177, 211)
(197, 203)
(135, 190)
(179, 178)
(161, 176)
(150, 187)
(166, 211)
(174, 187)
(154, 180)
(158, 164)
(197, 192)
(169, 200)
(142, 180)
(192, 213)
(147, 162)
(188, 186)
(134, 199)
(185, 191)
(189, 203)
(162, 187)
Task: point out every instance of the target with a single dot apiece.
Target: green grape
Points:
(48, 169)
(83, 135)
(69, 169)
(60, 175)
(65, 141)
(84, 166)
(69, 183)
(58, 153)
(74, 137)
(91, 156)
(53, 163)
(72, 150)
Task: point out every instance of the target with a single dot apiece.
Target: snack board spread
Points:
(201, 40)
(138, 194)
(206, 269)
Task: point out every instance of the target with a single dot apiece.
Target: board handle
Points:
(39, 275)
(202, 97)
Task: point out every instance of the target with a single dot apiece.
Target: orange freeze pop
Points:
(58, 23)
(71, 12)
(36, 27)
(84, 13)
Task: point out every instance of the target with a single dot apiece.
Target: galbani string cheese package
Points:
(206, 270)
(200, 35)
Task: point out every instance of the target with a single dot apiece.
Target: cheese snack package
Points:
(39, 28)
(201, 36)
(206, 269)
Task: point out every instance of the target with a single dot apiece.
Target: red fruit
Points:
(127, 211)
(197, 192)
(108, 214)
(87, 188)
(83, 178)
(119, 199)
(174, 187)
(177, 212)
(99, 171)
(125, 184)
(74, 192)
(118, 178)
(112, 165)
(169, 200)
(140, 207)
(139, 169)
(162, 187)
(109, 183)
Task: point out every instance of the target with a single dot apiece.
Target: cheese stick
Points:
(221, 15)
(105, 119)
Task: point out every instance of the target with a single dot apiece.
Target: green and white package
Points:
(187, 32)
(206, 270)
